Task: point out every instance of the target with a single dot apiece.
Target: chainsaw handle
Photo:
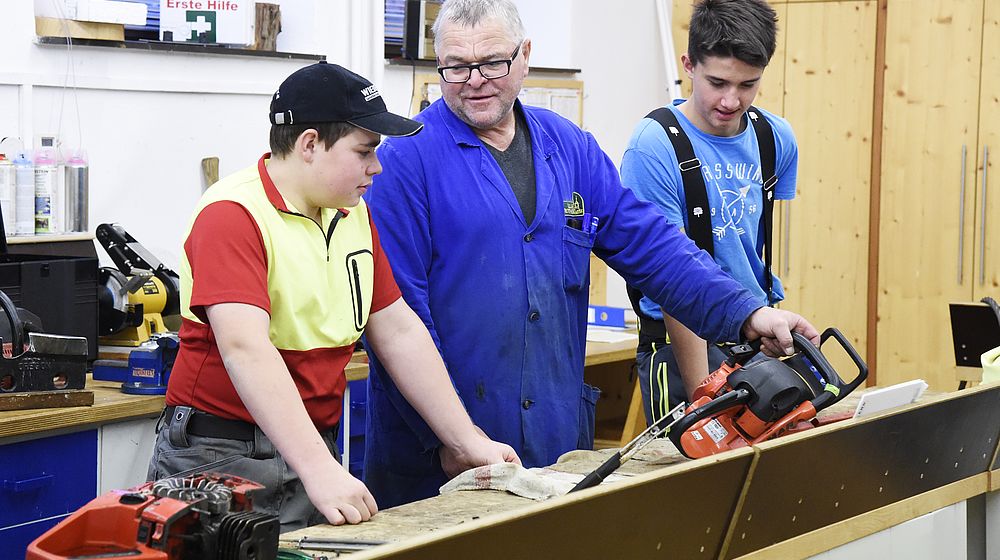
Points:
(827, 398)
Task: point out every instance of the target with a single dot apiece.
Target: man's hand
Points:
(774, 327)
(476, 453)
(339, 496)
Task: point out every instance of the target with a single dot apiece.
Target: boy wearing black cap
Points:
(281, 273)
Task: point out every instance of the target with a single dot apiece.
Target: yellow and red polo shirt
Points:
(319, 283)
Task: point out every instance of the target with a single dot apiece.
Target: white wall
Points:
(147, 119)
(619, 52)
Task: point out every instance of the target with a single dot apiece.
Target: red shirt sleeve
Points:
(385, 291)
(228, 261)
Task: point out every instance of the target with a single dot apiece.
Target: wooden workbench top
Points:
(451, 510)
(110, 405)
(607, 352)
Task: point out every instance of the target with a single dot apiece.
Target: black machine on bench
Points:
(134, 299)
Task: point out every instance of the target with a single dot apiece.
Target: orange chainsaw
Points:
(193, 517)
(747, 401)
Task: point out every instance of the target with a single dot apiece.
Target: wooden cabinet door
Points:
(931, 100)
(986, 260)
(829, 90)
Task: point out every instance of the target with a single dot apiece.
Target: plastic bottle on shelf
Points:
(24, 195)
(48, 199)
(8, 184)
(77, 191)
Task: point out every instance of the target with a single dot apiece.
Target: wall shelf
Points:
(79, 244)
(187, 48)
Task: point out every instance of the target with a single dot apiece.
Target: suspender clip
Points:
(693, 163)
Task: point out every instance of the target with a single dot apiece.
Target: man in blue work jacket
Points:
(489, 217)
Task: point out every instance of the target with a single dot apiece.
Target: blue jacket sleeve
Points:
(634, 239)
(405, 237)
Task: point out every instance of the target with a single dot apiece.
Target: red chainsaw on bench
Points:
(196, 517)
(740, 405)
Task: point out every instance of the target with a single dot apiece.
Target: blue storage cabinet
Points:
(41, 482)
(357, 408)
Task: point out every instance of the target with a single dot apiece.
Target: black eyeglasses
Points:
(490, 70)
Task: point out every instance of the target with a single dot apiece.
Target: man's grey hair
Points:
(470, 13)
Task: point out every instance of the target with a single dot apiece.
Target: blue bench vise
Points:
(147, 370)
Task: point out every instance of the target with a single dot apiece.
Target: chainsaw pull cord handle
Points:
(16, 327)
(841, 390)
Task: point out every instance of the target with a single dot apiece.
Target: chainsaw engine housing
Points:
(206, 516)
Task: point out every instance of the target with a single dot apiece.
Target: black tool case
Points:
(60, 290)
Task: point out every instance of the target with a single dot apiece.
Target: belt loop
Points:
(262, 446)
(162, 420)
(177, 430)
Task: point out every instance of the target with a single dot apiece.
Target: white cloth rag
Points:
(512, 478)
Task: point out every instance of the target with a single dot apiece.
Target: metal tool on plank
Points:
(327, 544)
(616, 460)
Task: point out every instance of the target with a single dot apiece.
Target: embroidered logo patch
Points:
(574, 207)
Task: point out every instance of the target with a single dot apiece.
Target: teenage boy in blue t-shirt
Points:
(729, 45)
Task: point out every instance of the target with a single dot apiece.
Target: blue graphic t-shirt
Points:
(731, 169)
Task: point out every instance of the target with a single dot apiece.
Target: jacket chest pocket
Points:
(576, 246)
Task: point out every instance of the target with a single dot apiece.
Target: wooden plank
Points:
(848, 530)
(110, 405)
(46, 399)
(598, 353)
(598, 281)
(628, 519)
(46, 238)
(54, 27)
(635, 421)
(357, 368)
(804, 482)
(267, 25)
(875, 196)
(615, 381)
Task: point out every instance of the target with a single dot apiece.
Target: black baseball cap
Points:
(323, 92)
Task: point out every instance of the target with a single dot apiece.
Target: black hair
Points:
(283, 137)
(742, 29)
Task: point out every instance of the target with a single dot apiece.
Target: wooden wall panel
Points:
(930, 114)
(829, 77)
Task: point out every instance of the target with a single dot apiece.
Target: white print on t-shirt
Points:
(734, 202)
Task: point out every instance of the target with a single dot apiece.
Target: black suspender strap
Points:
(768, 156)
(699, 215)
(698, 211)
